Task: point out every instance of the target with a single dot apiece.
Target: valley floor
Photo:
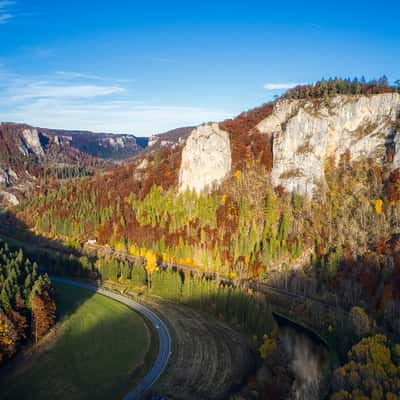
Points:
(99, 350)
(208, 357)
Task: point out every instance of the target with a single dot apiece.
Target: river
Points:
(308, 359)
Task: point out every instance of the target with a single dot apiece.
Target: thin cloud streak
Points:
(5, 14)
(73, 75)
(163, 60)
(78, 91)
(6, 3)
(79, 75)
(5, 17)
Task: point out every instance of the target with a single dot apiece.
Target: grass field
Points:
(100, 350)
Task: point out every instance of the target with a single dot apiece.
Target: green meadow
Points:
(100, 350)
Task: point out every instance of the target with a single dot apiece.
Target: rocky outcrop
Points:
(206, 158)
(8, 198)
(306, 134)
(31, 142)
(153, 139)
(171, 138)
(396, 147)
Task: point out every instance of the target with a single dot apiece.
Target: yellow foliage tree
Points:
(223, 199)
(133, 250)
(151, 265)
(268, 347)
(378, 206)
(142, 252)
(120, 247)
(8, 338)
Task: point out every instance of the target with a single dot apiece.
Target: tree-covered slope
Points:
(27, 307)
(247, 227)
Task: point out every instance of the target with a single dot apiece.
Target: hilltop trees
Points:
(335, 86)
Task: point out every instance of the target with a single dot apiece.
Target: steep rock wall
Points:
(32, 142)
(206, 158)
(306, 134)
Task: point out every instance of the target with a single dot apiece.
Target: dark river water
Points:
(307, 360)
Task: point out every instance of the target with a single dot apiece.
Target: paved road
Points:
(162, 330)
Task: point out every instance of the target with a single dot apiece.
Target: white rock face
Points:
(143, 164)
(396, 145)
(3, 178)
(8, 198)
(153, 139)
(206, 158)
(305, 135)
(32, 142)
(7, 177)
(115, 142)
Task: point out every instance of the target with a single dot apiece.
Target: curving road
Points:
(162, 330)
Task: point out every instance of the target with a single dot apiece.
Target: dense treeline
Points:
(235, 306)
(230, 303)
(335, 86)
(27, 307)
(220, 233)
(68, 171)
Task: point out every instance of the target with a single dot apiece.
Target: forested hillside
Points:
(334, 243)
(27, 307)
(33, 158)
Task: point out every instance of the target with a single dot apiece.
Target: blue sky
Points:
(125, 66)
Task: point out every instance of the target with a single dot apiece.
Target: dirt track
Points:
(208, 358)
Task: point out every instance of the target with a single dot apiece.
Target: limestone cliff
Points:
(31, 142)
(206, 158)
(306, 134)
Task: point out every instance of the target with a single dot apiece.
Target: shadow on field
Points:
(100, 353)
(52, 256)
(102, 349)
(69, 299)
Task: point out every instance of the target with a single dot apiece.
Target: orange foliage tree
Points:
(43, 313)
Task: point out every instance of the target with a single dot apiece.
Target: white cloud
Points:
(74, 101)
(281, 85)
(109, 116)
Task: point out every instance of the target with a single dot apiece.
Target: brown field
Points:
(208, 358)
